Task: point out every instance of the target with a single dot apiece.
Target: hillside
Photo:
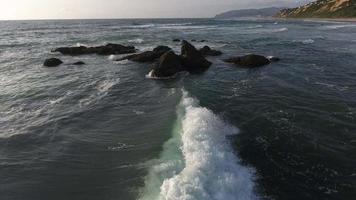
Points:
(322, 9)
(264, 12)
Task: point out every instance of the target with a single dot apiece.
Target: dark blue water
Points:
(105, 131)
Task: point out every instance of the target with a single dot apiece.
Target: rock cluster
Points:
(167, 63)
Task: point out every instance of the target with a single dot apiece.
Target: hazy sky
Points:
(70, 9)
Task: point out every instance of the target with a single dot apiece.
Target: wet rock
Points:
(207, 51)
(273, 59)
(192, 59)
(147, 56)
(52, 62)
(251, 60)
(168, 66)
(109, 49)
(176, 40)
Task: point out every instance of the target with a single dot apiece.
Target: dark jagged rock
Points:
(207, 51)
(147, 56)
(176, 40)
(251, 60)
(168, 66)
(52, 62)
(192, 59)
(79, 63)
(109, 49)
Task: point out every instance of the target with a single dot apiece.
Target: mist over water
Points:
(105, 131)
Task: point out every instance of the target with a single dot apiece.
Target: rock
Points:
(79, 63)
(273, 59)
(52, 62)
(168, 66)
(147, 56)
(192, 59)
(109, 49)
(161, 50)
(203, 40)
(193, 40)
(207, 51)
(251, 60)
(176, 40)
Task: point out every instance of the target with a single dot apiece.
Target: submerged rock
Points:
(168, 66)
(176, 40)
(207, 51)
(147, 56)
(192, 59)
(79, 63)
(109, 49)
(52, 62)
(251, 60)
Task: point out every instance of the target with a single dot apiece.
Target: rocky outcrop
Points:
(323, 9)
(109, 49)
(52, 62)
(207, 51)
(192, 59)
(147, 56)
(168, 66)
(249, 61)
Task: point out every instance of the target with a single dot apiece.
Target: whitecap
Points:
(198, 162)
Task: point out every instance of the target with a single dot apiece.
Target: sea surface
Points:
(103, 131)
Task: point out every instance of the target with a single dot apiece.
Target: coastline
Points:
(320, 19)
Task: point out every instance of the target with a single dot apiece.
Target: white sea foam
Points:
(256, 26)
(280, 30)
(308, 41)
(112, 57)
(105, 85)
(137, 41)
(138, 112)
(150, 76)
(334, 27)
(198, 163)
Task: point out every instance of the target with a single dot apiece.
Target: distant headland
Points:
(326, 9)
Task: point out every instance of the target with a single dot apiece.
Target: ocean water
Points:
(104, 131)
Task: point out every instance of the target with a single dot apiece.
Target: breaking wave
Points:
(198, 162)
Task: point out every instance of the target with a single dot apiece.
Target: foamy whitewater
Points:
(198, 162)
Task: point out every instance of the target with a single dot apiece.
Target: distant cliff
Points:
(322, 9)
(264, 12)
